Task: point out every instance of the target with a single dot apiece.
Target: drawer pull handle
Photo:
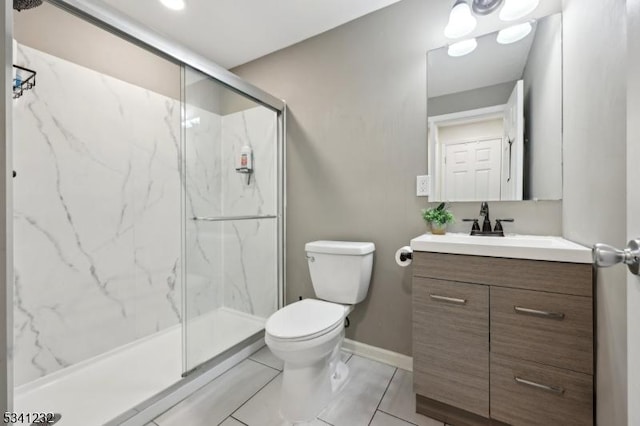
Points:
(537, 313)
(552, 389)
(448, 299)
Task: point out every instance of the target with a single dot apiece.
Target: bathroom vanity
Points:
(503, 330)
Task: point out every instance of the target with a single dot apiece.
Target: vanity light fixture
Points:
(462, 48)
(516, 9)
(485, 7)
(461, 21)
(173, 4)
(514, 33)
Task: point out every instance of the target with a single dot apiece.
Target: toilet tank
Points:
(340, 270)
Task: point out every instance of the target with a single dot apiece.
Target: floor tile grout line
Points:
(266, 365)
(399, 418)
(249, 399)
(215, 379)
(239, 421)
(395, 370)
(266, 384)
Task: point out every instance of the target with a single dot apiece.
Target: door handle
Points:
(605, 255)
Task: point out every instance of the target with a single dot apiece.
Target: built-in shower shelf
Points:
(23, 79)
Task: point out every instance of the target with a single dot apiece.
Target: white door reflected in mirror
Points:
(472, 170)
(479, 153)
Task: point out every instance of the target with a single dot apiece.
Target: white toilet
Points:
(307, 335)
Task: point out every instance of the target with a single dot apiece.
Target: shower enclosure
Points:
(148, 217)
(231, 227)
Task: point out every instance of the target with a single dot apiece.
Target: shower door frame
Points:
(6, 215)
(121, 25)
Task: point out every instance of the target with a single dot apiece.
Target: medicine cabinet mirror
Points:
(495, 118)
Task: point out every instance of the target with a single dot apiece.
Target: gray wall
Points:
(59, 33)
(357, 133)
(595, 174)
(471, 99)
(543, 111)
(633, 204)
(208, 94)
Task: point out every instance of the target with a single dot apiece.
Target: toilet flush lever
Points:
(605, 255)
(311, 258)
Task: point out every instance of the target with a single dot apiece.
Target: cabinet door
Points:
(526, 393)
(552, 329)
(451, 343)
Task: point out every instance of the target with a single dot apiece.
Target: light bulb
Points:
(461, 21)
(514, 33)
(462, 48)
(173, 4)
(516, 9)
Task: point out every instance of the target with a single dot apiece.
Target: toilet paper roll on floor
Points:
(407, 261)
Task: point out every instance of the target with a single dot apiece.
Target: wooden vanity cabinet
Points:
(451, 343)
(502, 341)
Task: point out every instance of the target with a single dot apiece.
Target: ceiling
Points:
(233, 32)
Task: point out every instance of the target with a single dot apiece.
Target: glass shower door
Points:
(230, 210)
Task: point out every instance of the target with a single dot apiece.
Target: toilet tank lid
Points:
(340, 247)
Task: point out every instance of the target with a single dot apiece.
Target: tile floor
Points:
(376, 394)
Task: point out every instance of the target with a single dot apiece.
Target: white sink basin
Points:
(514, 246)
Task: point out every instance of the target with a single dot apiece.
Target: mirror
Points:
(495, 118)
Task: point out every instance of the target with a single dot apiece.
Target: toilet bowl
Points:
(307, 335)
(311, 354)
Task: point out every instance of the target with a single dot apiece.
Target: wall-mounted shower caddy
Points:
(24, 79)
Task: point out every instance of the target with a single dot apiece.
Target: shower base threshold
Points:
(97, 390)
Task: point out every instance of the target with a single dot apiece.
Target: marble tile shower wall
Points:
(250, 247)
(97, 215)
(231, 264)
(203, 245)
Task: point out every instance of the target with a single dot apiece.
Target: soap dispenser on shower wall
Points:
(245, 162)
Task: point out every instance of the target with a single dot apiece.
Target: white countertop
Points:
(533, 247)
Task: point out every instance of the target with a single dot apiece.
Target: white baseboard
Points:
(378, 354)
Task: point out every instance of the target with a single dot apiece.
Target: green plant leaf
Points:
(439, 215)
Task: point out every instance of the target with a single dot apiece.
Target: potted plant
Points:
(438, 218)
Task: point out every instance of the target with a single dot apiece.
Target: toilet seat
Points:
(305, 320)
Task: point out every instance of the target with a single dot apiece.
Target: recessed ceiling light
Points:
(461, 21)
(462, 48)
(516, 9)
(514, 33)
(173, 4)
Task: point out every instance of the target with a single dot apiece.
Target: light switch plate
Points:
(422, 186)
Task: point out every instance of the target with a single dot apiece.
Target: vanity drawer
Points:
(451, 343)
(553, 277)
(552, 329)
(528, 394)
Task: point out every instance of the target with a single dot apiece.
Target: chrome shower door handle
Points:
(605, 255)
